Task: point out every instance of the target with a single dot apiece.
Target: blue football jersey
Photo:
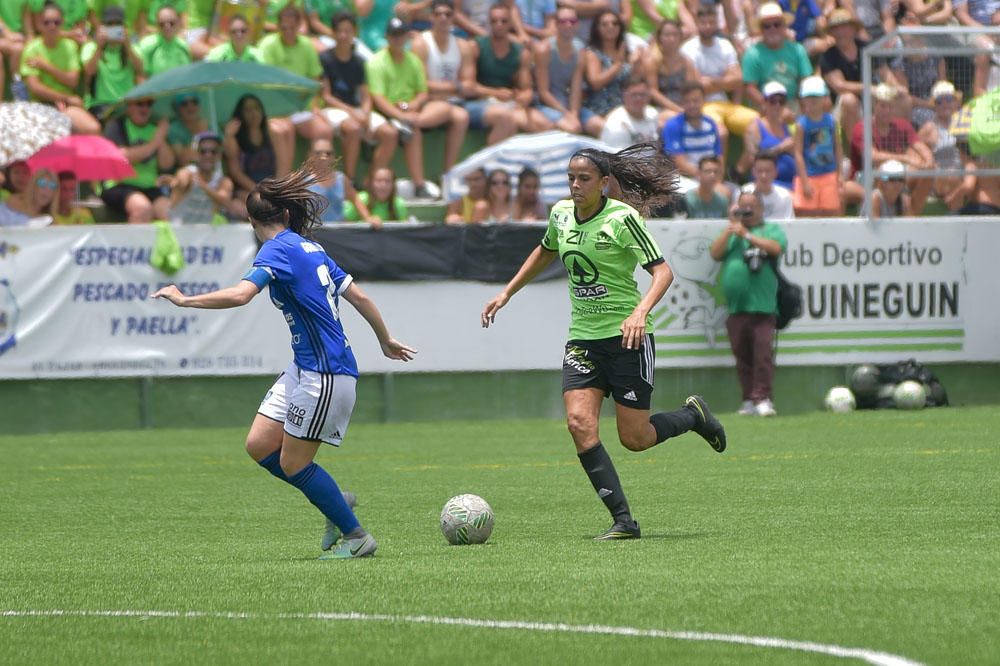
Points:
(306, 284)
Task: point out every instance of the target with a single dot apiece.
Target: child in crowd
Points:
(890, 198)
(381, 199)
(818, 155)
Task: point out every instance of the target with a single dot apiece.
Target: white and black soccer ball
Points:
(466, 519)
(909, 395)
(840, 400)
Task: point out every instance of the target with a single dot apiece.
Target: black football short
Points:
(625, 374)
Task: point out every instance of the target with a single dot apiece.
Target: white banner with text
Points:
(75, 303)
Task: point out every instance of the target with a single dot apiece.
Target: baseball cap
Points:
(885, 92)
(812, 86)
(201, 137)
(774, 88)
(892, 170)
(395, 26)
(943, 89)
(113, 15)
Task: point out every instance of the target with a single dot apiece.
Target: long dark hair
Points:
(272, 198)
(595, 31)
(243, 134)
(647, 177)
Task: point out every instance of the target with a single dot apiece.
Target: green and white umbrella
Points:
(220, 85)
(27, 127)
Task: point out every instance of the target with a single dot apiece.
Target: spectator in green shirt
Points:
(238, 48)
(748, 248)
(705, 201)
(12, 39)
(381, 199)
(144, 143)
(50, 66)
(398, 87)
(188, 123)
(775, 57)
(165, 49)
(111, 65)
(290, 50)
(74, 16)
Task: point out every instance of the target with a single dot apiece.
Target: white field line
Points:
(870, 656)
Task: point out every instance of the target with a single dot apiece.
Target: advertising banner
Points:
(75, 302)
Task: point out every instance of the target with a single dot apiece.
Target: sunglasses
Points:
(143, 104)
(47, 184)
(772, 26)
(208, 151)
(946, 99)
(167, 24)
(238, 31)
(777, 99)
(568, 21)
(323, 153)
(190, 101)
(53, 22)
(444, 14)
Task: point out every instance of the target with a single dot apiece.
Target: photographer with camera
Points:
(748, 248)
(111, 65)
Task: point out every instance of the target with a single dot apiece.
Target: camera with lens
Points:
(754, 258)
(115, 33)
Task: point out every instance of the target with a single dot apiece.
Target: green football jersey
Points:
(600, 255)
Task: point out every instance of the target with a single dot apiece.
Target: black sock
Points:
(671, 424)
(598, 466)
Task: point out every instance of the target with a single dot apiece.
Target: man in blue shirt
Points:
(692, 135)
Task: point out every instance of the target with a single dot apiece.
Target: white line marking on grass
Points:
(870, 656)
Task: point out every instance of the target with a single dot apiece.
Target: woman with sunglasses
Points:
(200, 192)
(770, 135)
(50, 65)
(239, 48)
(499, 196)
(39, 200)
(311, 402)
(610, 351)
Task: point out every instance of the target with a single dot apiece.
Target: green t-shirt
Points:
(300, 58)
(643, 26)
(146, 171)
(746, 291)
(371, 28)
(133, 9)
(74, 11)
(600, 256)
(159, 55)
(396, 81)
(12, 13)
(113, 80)
(379, 209)
(226, 53)
(716, 208)
(787, 65)
(65, 56)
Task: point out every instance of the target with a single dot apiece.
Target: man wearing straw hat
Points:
(775, 57)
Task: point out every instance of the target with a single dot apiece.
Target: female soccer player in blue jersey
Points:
(311, 401)
(610, 350)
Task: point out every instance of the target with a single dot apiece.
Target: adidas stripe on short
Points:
(624, 374)
(312, 405)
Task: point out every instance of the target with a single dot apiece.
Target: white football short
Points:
(312, 405)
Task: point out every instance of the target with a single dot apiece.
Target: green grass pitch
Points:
(871, 532)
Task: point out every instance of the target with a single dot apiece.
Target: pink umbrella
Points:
(89, 157)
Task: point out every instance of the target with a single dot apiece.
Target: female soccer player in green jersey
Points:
(610, 349)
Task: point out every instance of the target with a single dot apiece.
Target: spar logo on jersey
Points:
(9, 313)
(584, 275)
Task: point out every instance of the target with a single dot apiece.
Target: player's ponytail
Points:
(272, 198)
(646, 176)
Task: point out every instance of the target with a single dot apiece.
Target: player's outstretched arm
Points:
(230, 297)
(391, 347)
(536, 262)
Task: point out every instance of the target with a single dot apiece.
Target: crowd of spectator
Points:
(784, 77)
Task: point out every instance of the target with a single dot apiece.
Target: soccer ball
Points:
(466, 519)
(839, 399)
(909, 395)
(864, 382)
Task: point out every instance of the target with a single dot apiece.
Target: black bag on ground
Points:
(891, 374)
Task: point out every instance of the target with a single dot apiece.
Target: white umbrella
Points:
(547, 153)
(27, 127)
